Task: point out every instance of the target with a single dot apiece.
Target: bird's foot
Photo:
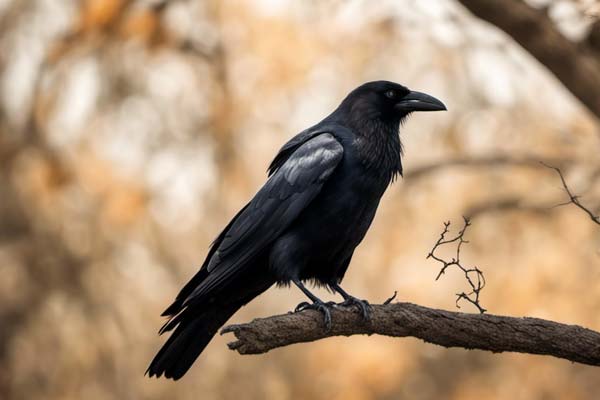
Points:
(363, 306)
(320, 306)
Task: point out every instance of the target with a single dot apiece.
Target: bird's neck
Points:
(378, 145)
(377, 139)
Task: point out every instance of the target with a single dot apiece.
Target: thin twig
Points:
(389, 300)
(574, 199)
(477, 282)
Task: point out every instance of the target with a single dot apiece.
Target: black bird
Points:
(303, 225)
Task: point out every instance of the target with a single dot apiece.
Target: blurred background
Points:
(132, 131)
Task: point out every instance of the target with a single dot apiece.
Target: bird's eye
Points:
(390, 94)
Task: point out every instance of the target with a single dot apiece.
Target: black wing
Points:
(289, 190)
(189, 287)
(292, 145)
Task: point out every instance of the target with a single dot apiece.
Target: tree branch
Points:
(511, 203)
(482, 161)
(573, 198)
(445, 328)
(593, 38)
(575, 65)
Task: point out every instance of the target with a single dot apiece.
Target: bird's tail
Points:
(192, 335)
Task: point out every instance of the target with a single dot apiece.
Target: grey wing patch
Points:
(301, 175)
(287, 192)
(322, 151)
(291, 146)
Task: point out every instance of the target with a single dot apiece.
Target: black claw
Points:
(318, 306)
(301, 306)
(362, 305)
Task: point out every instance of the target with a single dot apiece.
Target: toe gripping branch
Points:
(319, 305)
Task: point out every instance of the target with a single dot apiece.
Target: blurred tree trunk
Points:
(576, 65)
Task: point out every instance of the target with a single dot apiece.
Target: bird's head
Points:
(388, 101)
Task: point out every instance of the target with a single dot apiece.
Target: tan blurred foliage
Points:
(131, 131)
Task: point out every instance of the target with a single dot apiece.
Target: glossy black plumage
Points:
(323, 190)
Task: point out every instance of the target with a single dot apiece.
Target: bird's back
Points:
(321, 240)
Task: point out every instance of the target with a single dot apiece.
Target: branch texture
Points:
(445, 328)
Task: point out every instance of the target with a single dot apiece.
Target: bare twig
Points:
(573, 199)
(445, 328)
(477, 282)
(392, 297)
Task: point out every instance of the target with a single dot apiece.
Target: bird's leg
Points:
(363, 306)
(317, 304)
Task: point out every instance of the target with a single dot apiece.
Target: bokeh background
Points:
(131, 131)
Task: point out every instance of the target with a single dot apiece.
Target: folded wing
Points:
(288, 191)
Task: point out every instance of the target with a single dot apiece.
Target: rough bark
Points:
(576, 65)
(445, 328)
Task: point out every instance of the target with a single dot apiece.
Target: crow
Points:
(322, 192)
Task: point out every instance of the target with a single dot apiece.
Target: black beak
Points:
(417, 101)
